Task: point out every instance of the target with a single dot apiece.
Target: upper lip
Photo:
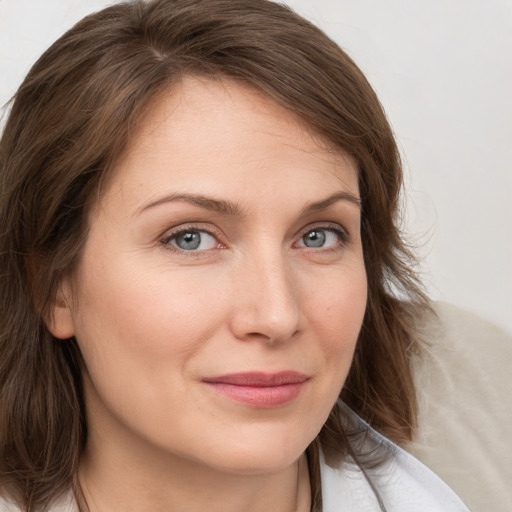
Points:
(259, 379)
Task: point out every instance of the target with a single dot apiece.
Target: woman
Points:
(200, 254)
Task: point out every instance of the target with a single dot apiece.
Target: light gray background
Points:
(443, 71)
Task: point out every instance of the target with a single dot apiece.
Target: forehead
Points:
(220, 129)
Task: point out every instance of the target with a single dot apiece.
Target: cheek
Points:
(337, 314)
(338, 310)
(143, 315)
(138, 333)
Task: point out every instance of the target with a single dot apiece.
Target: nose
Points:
(267, 303)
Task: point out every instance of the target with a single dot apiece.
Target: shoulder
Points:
(400, 483)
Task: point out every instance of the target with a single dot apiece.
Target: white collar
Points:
(403, 483)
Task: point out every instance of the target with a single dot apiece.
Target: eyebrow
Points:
(216, 205)
(325, 203)
(235, 210)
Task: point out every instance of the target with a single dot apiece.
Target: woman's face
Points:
(222, 286)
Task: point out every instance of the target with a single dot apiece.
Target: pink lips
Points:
(258, 389)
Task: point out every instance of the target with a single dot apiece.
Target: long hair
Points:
(70, 120)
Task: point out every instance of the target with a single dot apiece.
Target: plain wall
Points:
(443, 71)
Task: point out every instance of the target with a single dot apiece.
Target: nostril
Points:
(271, 341)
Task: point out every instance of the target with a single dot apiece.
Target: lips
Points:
(259, 389)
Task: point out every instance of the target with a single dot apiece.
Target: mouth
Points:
(259, 389)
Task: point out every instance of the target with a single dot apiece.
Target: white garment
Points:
(65, 504)
(402, 482)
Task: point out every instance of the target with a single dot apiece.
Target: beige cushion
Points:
(465, 395)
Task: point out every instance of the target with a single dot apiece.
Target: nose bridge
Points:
(269, 303)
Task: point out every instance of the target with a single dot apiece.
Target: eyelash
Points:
(166, 239)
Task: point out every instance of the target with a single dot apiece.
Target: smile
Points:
(258, 389)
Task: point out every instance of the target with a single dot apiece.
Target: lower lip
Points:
(264, 397)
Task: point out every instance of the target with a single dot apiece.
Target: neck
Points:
(117, 478)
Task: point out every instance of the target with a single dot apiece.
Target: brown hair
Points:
(69, 122)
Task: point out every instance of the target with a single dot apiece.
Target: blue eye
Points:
(320, 238)
(192, 240)
(314, 238)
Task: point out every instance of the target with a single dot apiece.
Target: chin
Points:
(261, 452)
(258, 462)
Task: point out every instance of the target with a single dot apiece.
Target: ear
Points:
(61, 323)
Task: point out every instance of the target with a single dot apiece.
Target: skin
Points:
(153, 319)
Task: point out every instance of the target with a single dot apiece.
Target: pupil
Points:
(314, 239)
(188, 241)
